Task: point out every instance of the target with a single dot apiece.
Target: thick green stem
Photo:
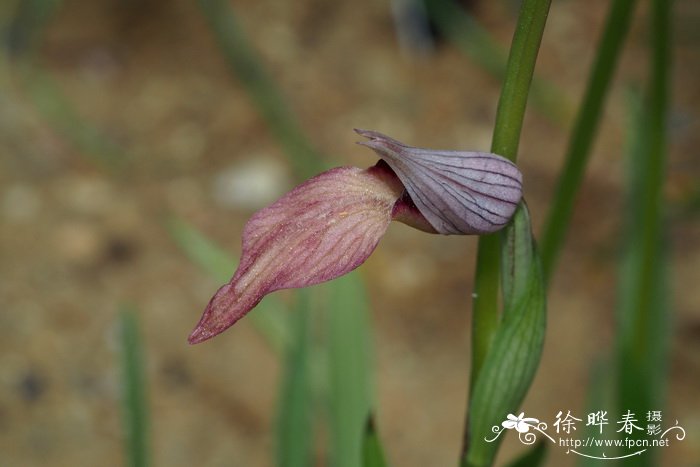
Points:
(485, 317)
(506, 137)
(584, 131)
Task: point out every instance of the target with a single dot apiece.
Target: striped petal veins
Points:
(458, 192)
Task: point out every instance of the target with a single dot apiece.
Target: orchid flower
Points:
(330, 224)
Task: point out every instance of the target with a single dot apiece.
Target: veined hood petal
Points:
(324, 228)
(458, 192)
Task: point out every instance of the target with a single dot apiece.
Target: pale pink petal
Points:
(322, 229)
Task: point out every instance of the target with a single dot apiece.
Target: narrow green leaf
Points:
(25, 35)
(643, 313)
(534, 457)
(468, 35)
(26, 28)
(372, 451)
(62, 117)
(269, 317)
(477, 43)
(349, 357)
(133, 385)
(511, 363)
(599, 397)
(210, 257)
(584, 132)
(260, 87)
(294, 430)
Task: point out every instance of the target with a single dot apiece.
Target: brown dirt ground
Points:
(76, 240)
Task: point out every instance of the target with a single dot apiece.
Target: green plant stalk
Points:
(133, 380)
(485, 316)
(585, 129)
(261, 88)
(506, 137)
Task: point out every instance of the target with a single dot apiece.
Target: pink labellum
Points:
(458, 192)
(322, 229)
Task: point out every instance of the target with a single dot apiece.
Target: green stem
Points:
(519, 71)
(506, 137)
(485, 317)
(584, 132)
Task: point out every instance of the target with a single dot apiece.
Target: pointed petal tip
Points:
(198, 336)
(372, 134)
(222, 311)
(375, 136)
(204, 330)
(369, 134)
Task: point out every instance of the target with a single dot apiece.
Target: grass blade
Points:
(349, 357)
(599, 395)
(261, 88)
(63, 118)
(643, 313)
(24, 37)
(585, 129)
(294, 430)
(475, 41)
(372, 451)
(26, 29)
(134, 405)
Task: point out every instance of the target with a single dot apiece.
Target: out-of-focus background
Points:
(117, 116)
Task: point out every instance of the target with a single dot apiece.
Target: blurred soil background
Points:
(173, 133)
